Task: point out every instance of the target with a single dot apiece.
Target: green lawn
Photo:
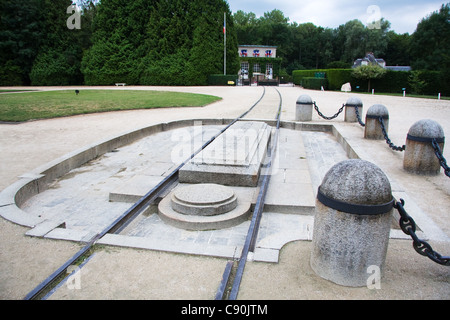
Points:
(16, 107)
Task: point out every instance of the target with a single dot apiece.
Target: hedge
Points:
(314, 83)
(221, 80)
(393, 82)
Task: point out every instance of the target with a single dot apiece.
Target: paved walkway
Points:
(123, 273)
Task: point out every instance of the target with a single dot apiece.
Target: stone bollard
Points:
(304, 108)
(419, 155)
(372, 129)
(352, 223)
(350, 105)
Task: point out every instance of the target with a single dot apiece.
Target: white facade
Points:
(253, 51)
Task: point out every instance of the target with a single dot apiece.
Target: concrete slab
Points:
(26, 261)
(234, 158)
(230, 252)
(135, 188)
(295, 198)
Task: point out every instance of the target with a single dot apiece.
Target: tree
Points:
(59, 56)
(368, 73)
(246, 25)
(190, 33)
(398, 49)
(430, 42)
(21, 30)
(415, 82)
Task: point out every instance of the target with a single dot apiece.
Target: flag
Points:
(224, 26)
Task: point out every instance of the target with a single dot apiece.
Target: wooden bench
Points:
(121, 84)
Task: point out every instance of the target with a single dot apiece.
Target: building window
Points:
(244, 66)
(256, 68)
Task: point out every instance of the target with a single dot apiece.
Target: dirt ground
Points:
(121, 273)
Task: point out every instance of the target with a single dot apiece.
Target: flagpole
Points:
(224, 44)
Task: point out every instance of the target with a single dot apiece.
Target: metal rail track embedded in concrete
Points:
(121, 222)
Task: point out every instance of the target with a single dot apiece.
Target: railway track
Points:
(163, 187)
(252, 233)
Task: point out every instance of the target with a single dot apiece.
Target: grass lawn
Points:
(16, 107)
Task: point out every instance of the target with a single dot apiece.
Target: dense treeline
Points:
(306, 46)
(180, 42)
(177, 42)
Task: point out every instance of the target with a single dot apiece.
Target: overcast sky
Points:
(402, 14)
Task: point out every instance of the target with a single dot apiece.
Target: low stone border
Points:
(37, 180)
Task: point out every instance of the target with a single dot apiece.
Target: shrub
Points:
(314, 83)
(55, 69)
(337, 77)
(10, 75)
(221, 80)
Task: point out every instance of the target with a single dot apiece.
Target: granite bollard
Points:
(419, 153)
(350, 106)
(372, 129)
(304, 108)
(352, 223)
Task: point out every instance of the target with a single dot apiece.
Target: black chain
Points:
(388, 141)
(440, 156)
(325, 117)
(408, 226)
(359, 117)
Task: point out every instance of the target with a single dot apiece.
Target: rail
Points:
(252, 234)
(127, 217)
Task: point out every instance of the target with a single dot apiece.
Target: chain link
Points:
(408, 226)
(388, 141)
(325, 117)
(358, 116)
(440, 156)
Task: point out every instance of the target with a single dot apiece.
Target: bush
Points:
(434, 82)
(314, 83)
(392, 82)
(10, 75)
(298, 75)
(337, 77)
(55, 69)
(221, 80)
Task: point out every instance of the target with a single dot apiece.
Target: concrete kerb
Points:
(38, 179)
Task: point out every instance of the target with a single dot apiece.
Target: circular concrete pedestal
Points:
(204, 199)
(203, 207)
